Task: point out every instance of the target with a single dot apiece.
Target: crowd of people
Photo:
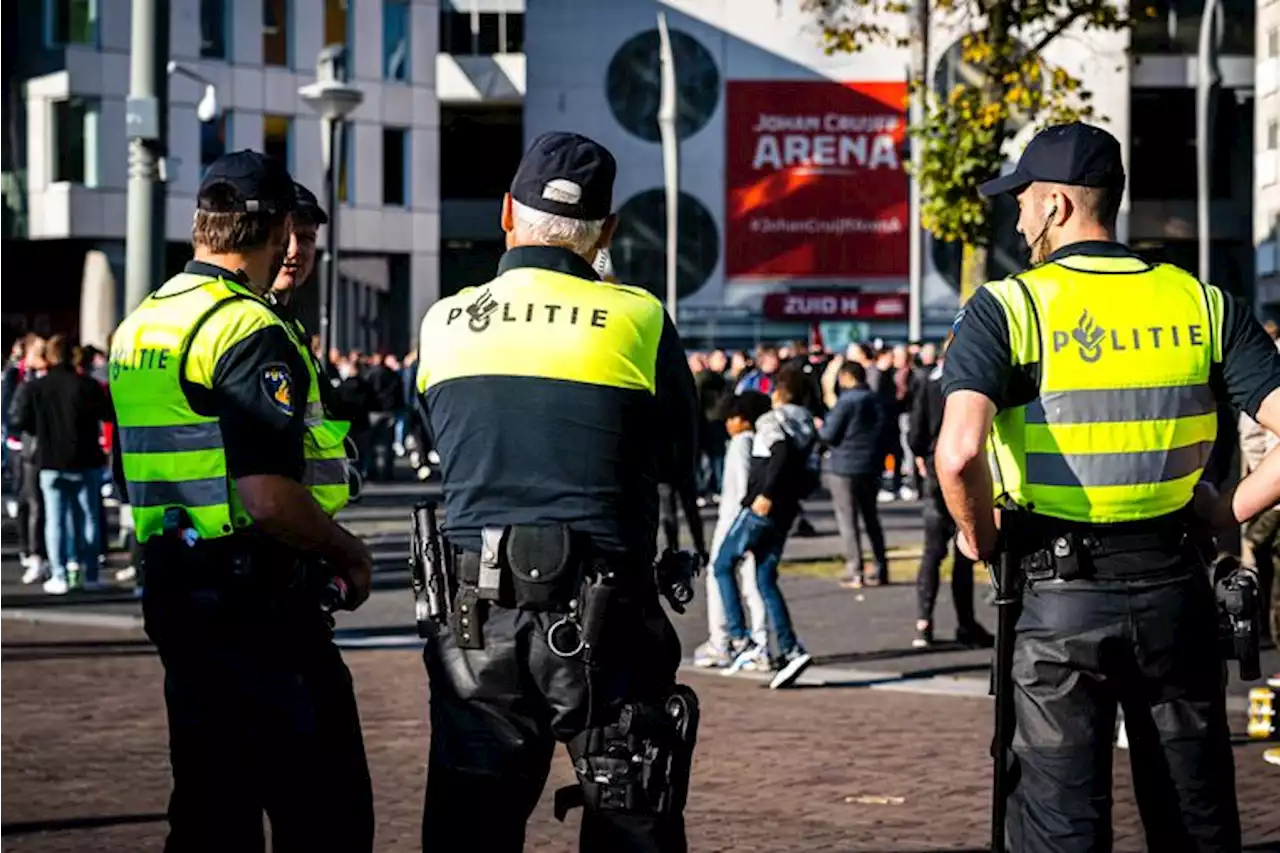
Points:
(862, 425)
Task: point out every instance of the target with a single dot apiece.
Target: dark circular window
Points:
(639, 246)
(633, 85)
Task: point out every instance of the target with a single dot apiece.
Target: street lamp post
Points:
(147, 123)
(1208, 78)
(333, 99)
(667, 109)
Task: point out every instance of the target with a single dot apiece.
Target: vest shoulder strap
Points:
(215, 331)
(1022, 317)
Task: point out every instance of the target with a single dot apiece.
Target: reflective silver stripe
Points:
(314, 413)
(188, 493)
(170, 439)
(1116, 469)
(325, 472)
(1121, 405)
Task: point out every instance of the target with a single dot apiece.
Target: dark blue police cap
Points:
(247, 182)
(566, 174)
(308, 207)
(1076, 154)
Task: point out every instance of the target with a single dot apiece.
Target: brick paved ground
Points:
(84, 745)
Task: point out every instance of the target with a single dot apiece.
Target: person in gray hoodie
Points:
(779, 477)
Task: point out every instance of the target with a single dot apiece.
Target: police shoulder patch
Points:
(277, 384)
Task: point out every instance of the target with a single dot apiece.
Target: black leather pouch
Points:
(546, 574)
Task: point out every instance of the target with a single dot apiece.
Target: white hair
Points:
(534, 227)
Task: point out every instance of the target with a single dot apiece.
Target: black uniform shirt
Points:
(262, 434)
(980, 359)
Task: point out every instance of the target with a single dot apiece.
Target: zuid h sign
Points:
(814, 181)
(817, 305)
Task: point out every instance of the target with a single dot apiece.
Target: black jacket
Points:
(66, 412)
(780, 452)
(852, 430)
(926, 416)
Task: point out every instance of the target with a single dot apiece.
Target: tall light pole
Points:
(1208, 77)
(919, 77)
(147, 123)
(333, 99)
(670, 159)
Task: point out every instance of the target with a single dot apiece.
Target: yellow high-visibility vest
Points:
(172, 456)
(1125, 418)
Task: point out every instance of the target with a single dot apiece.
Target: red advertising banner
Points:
(817, 305)
(814, 180)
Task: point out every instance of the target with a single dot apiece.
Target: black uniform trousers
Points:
(1146, 644)
(497, 713)
(262, 714)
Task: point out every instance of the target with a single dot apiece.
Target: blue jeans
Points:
(72, 502)
(756, 535)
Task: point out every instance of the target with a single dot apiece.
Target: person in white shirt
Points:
(740, 413)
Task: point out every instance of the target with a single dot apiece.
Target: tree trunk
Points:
(973, 271)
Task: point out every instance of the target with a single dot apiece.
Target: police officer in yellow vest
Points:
(212, 396)
(328, 476)
(557, 404)
(1102, 374)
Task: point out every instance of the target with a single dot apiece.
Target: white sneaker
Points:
(36, 570)
(907, 493)
(56, 586)
(749, 657)
(398, 450)
(794, 663)
(127, 574)
(885, 496)
(707, 656)
(11, 508)
(433, 457)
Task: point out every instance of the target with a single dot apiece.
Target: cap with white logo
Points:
(566, 174)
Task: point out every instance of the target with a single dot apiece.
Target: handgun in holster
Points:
(428, 553)
(1239, 614)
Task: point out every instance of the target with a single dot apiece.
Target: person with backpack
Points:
(779, 477)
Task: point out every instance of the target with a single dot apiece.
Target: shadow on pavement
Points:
(118, 595)
(899, 677)
(32, 651)
(62, 824)
(889, 654)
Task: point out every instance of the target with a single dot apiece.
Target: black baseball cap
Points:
(308, 206)
(1076, 154)
(247, 182)
(566, 174)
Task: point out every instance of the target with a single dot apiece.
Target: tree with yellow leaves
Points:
(963, 130)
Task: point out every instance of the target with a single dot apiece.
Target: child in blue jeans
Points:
(778, 478)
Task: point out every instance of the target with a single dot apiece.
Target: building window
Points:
(481, 33)
(276, 133)
(1273, 135)
(337, 24)
(513, 32)
(347, 169)
(395, 167)
(395, 40)
(1273, 42)
(1162, 159)
(75, 141)
(479, 134)
(275, 32)
(213, 139)
(72, 21)
(213, 29)
(1175, 26)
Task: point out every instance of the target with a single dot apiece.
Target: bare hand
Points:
(761, 506)
(358, 569)
(817, 423)
(921, 469)
(966, 547)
